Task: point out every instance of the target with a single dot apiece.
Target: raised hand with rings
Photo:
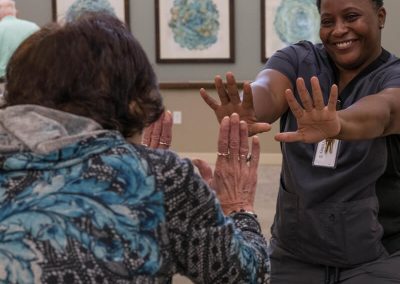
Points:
(159, 133)
(235, 175)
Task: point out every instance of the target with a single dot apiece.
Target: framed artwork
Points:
(120, 7)
(284, 22)
(194, 31)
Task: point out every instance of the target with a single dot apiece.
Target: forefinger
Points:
(304, 95)
(211, 102)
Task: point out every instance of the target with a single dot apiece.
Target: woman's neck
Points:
(347, 75)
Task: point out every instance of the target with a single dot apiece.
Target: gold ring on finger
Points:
(243, 157)
(223, 154)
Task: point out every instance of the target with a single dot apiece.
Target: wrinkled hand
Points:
(231, 103)
(235, 176)
(315, 122)
(159, 133)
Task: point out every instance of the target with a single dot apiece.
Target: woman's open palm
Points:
(231, 103)
(315, 121)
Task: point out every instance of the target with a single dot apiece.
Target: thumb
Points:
(258, 127)
(204, 169)
(289, 137)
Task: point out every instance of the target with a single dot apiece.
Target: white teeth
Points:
(344, 44)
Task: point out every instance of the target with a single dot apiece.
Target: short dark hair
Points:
(92, 67)
(378, 4)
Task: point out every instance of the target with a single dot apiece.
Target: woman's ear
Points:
(135, 109)
(381, 17)
(132, 106)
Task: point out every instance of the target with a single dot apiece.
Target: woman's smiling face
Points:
(351, 32)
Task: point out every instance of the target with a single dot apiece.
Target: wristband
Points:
(244, 211)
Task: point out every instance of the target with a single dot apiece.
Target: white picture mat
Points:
(169, 49)
(272, 40)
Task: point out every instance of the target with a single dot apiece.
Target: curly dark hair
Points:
(92, 67)
(378, 4)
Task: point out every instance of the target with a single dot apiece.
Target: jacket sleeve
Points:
(209, 247)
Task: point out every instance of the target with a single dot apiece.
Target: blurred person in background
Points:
(12, 32)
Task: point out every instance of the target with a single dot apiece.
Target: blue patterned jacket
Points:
(78, 204)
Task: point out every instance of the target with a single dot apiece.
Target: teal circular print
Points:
(194, 23)
(79, 7)
(297, 20)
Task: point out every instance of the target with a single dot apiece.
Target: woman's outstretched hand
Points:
(235, 176)
(159, 133)
(315, 121)
(231, 103)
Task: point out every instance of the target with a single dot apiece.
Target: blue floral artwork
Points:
(194, 23)
(286, 22)
(297, 20)
(70, 10)
(81, 6)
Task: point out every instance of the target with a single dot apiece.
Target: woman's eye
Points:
(351, 17)
(326, 23)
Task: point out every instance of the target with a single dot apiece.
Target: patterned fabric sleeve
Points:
(207, 246)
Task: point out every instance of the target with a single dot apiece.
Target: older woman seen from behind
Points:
(79, 204)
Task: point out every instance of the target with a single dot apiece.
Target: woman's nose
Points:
(340, 29)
